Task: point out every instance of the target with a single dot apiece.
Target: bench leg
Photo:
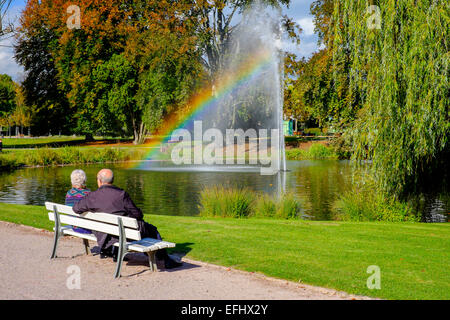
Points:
(86, 246)
(57, 232)
(123, 249)
(152, 261)
(55, 245)
(120, 257)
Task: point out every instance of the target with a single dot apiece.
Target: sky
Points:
(299, 10)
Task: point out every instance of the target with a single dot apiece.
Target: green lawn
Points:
(413, 257)
(13, 159)
(41, 142)
(53, 142)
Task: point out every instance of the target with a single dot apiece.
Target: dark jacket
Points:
(109, 199)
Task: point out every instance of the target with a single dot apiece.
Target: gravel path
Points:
(26, 272)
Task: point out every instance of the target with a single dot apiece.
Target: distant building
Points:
(292, 126)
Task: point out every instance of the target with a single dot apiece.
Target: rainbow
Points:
(204, 100)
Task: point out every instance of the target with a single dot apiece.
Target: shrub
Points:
(66, 155)
(316, 152)
(365, 203)
(7, 162)
(319, 151)
(313, 131)
(221, 202)
(342, 146)
(288, 207)
(242, 203)
(265, 207)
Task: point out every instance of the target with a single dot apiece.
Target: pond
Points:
(316, 183)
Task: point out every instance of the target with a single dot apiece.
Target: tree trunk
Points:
(139, 134)
(89, 137)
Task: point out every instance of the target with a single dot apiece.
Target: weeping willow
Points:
(395, 54)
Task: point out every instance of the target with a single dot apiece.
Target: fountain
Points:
(237, 124)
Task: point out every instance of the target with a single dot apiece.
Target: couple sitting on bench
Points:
(110, 199)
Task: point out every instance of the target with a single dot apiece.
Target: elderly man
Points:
(111, 199)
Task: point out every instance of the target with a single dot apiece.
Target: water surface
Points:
(316, 183)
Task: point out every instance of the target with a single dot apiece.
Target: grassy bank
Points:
(245, 203)
(69, 150)
(365, 202)
(413, 257)
(362, 203)
(57, 142)
(317, 151)
(372, 205)
(52, 142)
(68, 155)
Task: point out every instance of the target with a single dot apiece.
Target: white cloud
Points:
(7, 63)
(307, 25)
(305, 49)
(308, 39)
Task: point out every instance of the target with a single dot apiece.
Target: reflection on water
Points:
(435, 206)
(316, 183)
(437, 211)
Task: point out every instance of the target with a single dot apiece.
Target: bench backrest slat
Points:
(97, 216)
(95, 225)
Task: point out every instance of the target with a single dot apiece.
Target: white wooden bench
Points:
(125, 228)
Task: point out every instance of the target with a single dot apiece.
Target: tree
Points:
(312, 92)
(216, 27)
(7, 95)
(36, 42)
(7, 100)
(137, 40)
(5, 27)
(22, 114)
(309, 92)
(322, 10)
(166, 54)
(139, 60)
(114, 97)
(399, 74)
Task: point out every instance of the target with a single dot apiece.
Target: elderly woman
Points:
(78, 192)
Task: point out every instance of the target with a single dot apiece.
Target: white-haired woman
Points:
(78, 192)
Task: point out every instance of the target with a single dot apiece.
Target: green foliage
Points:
(312, 94)
(314, 131)
(292, 139)
(112, 74)
(342, 146)
(265, 207)
(223, 202)
(8, 163)
(365, 203)
(114, 95)
(322, 11)
(399, 74)
(67, 155)
(285, 207)
(317, 151)
(288, 207)
(7, 95)
(13, 108)
(243, 203)
(49, 103)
